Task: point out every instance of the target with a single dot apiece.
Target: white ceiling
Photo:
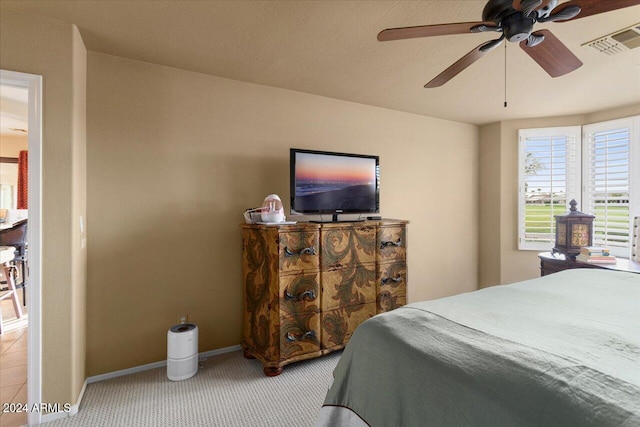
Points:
(329, 48)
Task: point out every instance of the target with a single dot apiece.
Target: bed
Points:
(562, 350)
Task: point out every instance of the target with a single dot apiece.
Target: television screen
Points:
(327, 182)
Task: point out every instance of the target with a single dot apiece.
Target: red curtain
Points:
(23, 179)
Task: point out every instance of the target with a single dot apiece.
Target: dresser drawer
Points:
(391, 285)
(338, 325)
(299, 294)
(347, 246)
(347, 286)
(391, 243)
(299, 335)
(299, 251)
(391, 275)
(387, 301)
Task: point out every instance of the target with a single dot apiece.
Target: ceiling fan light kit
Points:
(515, 19)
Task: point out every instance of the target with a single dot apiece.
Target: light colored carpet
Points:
(228, 391)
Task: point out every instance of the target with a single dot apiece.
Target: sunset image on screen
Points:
(334, 169)
(326, 182)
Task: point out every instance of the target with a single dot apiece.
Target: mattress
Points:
(562, 350)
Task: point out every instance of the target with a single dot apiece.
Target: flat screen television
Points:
(324, 182)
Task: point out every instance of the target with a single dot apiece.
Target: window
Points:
(610, 190)
(549, 179)
(600, 169)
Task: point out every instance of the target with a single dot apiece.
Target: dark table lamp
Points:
(573, 231)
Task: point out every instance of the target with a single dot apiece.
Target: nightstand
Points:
(552, 263)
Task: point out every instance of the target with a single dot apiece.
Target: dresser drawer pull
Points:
(336, 266)
(386, 280)
(310, 336)
(304, 251)
(385, 243)
(308, 295)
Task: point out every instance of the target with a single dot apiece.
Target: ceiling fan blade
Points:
(565, 14)
(433, 30)
(462, 63)
(551, 54)
(594, 7)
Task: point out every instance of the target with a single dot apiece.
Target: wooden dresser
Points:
(306, 287)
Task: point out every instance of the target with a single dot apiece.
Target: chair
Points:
(16, 236)
(6, 258)
(635, 243)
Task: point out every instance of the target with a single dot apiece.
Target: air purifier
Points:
(182, 351)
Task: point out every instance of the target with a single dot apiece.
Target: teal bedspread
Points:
(561, 350)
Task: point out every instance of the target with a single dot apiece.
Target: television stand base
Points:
(338, 221)
(334, 218)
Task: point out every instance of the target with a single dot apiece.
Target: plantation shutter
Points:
(549, 171)
(610, 187)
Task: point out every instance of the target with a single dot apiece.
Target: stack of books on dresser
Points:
(596, 255)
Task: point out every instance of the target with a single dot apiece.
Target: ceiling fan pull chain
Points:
(505, 75)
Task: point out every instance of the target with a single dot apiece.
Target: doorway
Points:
(11, 81)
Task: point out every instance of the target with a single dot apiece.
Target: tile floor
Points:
(13, 366)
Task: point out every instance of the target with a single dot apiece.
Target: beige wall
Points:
(616, 113)
(489, 211)
(500, 260)
(10, 145)
(174, 158)
(79, 213)
(54, 50)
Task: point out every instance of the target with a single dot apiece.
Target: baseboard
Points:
(154, 365)
(211, 353)
(45, 418)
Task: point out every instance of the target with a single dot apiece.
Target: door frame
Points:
(33, 84)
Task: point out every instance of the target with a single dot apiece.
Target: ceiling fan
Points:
(515, 19)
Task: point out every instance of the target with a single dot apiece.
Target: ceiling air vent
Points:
(617, 42)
